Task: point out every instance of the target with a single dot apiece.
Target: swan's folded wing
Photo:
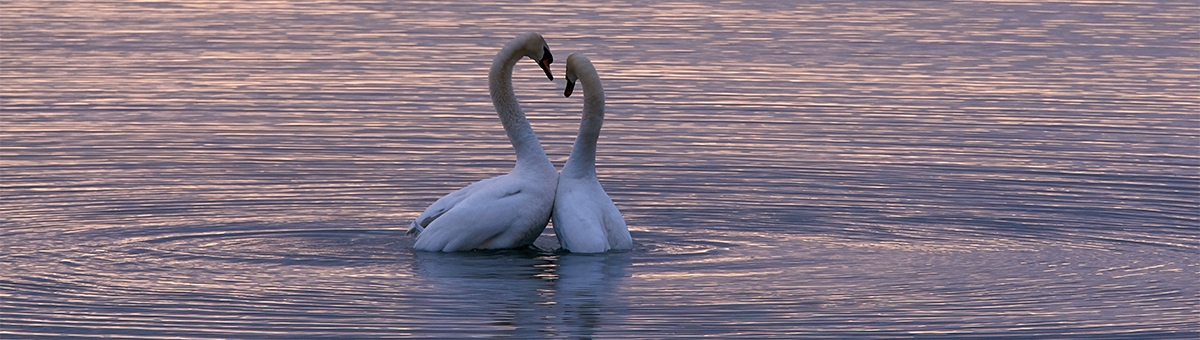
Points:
(498, 216)
(444, 204)
(615, 229)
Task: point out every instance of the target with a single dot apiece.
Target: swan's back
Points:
(509, 211)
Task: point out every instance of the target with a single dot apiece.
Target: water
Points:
(861, 169)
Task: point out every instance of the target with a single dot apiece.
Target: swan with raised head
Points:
(506, 211)
(585, 218)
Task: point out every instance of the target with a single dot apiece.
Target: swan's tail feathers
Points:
(418, 225)
(414, 229)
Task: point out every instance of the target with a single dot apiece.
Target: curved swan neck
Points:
(582, 161)
(520, 133)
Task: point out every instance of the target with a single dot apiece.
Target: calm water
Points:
(834, 169)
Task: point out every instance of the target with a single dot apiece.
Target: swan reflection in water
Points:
(527, 293)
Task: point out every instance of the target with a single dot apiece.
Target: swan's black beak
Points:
(547, 58)
(570, 87)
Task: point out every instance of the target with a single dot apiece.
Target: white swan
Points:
(506, 211)
(585, 218)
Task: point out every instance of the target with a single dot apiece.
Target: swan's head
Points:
(535, 48)
(577, 64)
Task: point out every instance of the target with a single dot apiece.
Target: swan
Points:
(506, 211)
(585, 218)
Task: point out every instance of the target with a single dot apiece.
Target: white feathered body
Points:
(585, 219)
(501, 212)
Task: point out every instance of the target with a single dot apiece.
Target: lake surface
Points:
(834, 169)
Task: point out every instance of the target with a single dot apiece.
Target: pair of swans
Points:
(511, 210)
